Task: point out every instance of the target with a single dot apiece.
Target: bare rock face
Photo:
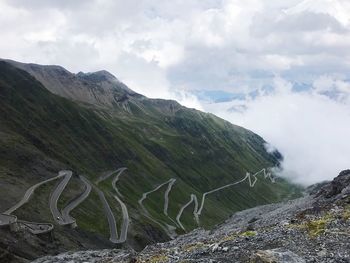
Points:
(99, 88)
(341, 182)
(90, 256)
(278, 255)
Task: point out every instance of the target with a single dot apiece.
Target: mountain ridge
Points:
(157, 140)
(62, 82)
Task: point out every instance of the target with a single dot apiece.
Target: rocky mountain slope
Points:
(53, 120)
(97, 88)
(314, 228)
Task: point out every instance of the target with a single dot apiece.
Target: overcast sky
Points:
(292, 55)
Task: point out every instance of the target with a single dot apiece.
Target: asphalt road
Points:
(166, 201)
(108, 211)
(197, 212)
(144, 195)
(65, 212)
(168, 229)
(30, 191)
(35, 228)
(110, 217)
(125, 224)
(193, 199)
(64, 217)
(166, 196)
(106, 176)
(57, 216)
(247, 177)
(116, 179)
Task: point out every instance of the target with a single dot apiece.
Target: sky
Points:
(279, 68)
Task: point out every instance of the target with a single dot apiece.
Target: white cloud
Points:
(308, 128)
(212, 44)
(170, 48)
(336, 8)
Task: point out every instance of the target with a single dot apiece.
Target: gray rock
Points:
(278, 255)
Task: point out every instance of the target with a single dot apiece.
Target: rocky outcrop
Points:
(92, 256)
(340, 184)
(314, 228)
(99, 88)
(277, 255)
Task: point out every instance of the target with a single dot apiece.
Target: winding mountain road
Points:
(197, 212)
(36, 228)
(193, 199)
(106, 176)
(252, 179)
(168, 229)
(170, 183)
(110, 216)
(64, 218)
(116, 179)
(125, 224)
(30, 192)
(166, 201)
(166, 196)
(33, 227)
(57, 216)
(66, 211)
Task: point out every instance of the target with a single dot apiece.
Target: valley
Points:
(179, 168)
(63, 218)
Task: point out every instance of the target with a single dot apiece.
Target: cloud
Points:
(285, 23)
(211, 44)
(310, 129)
(174, 49)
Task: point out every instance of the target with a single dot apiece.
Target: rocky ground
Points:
(315, 228)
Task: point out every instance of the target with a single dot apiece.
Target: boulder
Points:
(277, 255)
(336, 186)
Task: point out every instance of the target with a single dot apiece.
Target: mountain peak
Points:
(99, 88)
(101, 75)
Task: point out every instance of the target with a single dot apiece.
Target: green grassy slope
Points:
(42, 133)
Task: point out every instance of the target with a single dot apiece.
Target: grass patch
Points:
(317, 227)
(229, 237)
(193, 246)
(346, 213)
(249, 233)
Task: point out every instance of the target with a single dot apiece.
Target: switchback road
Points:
(197, 212)
(57, 216)
(66, 211)
(30, 191)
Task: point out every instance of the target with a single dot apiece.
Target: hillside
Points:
(91, 124)
(314, 228)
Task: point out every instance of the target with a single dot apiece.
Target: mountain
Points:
(98, 88)
(92, 124)
(314, 228)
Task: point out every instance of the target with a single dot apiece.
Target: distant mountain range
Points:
(91, 123)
